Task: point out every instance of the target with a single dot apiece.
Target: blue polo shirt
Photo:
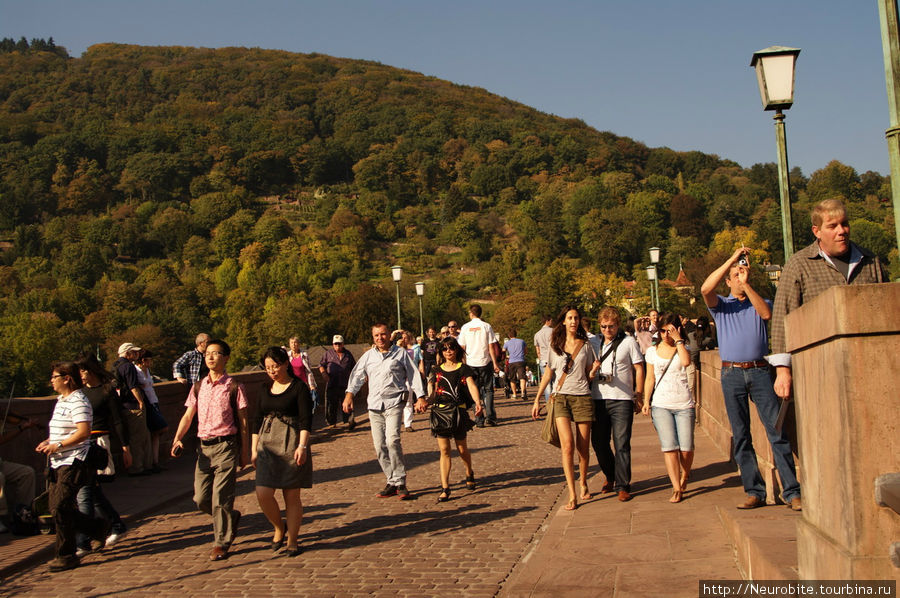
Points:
(741, 332)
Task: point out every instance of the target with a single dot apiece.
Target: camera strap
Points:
(612, 349)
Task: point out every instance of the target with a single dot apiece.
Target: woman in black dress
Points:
(454, 391)
(280, 449)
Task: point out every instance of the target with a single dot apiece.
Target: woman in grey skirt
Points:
(280, 450)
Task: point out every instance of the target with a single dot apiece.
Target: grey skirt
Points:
(275, 465)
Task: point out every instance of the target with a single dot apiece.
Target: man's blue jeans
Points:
(613, 418)
(755, 384)
(484, 380)
(549, 388)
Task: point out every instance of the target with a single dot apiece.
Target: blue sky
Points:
(667, 73)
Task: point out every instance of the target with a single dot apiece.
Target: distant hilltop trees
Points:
(8, 45)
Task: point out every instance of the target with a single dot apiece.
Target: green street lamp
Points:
(420, 291)
(890, 42)
(651, 276)
(397, 274)
(775, 75)
(654, 259)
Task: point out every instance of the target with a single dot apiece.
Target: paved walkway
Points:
(509, 537)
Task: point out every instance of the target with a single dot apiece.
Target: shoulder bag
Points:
(549, 433)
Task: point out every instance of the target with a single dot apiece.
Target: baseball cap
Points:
(337, 339)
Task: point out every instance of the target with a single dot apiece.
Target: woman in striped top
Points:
(66, 449)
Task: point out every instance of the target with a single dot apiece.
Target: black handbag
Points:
(97, 456)
(444, 419)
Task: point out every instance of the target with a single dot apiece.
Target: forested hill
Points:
(149, 193)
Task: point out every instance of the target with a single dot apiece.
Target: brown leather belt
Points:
(746, 365)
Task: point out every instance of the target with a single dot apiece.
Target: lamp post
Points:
(397, 273)
(654, 259)
(775, 75)
(651, 276)
(890, 42)
(420, 291)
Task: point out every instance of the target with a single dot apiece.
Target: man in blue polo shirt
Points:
(743, 342)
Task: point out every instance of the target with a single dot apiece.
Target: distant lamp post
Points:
(775, 75)
(654, 259)
(397, 273)
(651, 276)
(773, 271)
(420, 291)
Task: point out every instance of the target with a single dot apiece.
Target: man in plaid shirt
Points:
(831, 260)
(191, 366)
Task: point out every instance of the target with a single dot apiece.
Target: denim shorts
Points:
(675, 428)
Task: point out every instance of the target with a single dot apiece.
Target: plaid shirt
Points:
(808, 274)
(189, 366)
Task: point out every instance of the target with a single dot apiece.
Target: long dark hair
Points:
(667, 318)
(279, 356)
(558, 336)
(88, 362)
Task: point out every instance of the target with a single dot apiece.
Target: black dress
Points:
(451, 389)
(281, 418)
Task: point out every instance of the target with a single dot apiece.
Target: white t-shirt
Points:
(146, 379)
(67, 412)
(620, 363)
(476, 337)
(672, 388)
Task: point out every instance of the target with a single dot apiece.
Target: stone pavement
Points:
(509, 537)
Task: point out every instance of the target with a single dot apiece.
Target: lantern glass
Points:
(654, 255)
(397, 273)
(775, 76)
(420, 288)
(651, 272)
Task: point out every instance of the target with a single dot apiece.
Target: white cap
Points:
(337, 339)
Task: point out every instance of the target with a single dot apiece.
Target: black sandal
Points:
(445, 495)
(470, 482)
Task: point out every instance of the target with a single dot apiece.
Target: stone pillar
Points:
(845, 346)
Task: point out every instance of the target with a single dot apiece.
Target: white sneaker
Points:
(113, 538)
(82, 552)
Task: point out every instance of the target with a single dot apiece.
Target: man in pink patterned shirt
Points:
(221, 409)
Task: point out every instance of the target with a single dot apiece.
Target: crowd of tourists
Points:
(589, 391)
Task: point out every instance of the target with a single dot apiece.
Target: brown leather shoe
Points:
(752, 502)
(607, 487)
(624, 496)
(796, 504)
(218, 553)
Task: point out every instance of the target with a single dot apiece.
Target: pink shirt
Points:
(214, 416)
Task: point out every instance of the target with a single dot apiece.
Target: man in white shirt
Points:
(619, 384)
(478, 340)
(542, 348)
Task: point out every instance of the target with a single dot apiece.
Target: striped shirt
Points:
(68, 412)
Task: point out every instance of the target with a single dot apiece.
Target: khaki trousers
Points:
(214, 482)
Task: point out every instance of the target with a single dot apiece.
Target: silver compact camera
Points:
(604, 378)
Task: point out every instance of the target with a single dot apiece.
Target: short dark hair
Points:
(475, 310)
(453, 344)
(226, 350)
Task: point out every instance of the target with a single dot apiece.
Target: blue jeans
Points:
(613, 418)
(386, 438)
(484, 380)
(675, 428)
(755, 384)
(541, 368)
(93, 503)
